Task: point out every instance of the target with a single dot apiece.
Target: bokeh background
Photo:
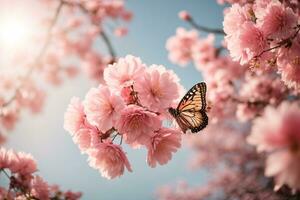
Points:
(59, 159)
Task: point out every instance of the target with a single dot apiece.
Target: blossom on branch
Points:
(20, 168)
(131, 105)
(277, 132)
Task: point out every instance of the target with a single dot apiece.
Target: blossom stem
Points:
(286, 43)
(108, 44)
(219, 50)
(204, 29)
(121, 140)
(8, 177)
(6, 174)
(114, 137)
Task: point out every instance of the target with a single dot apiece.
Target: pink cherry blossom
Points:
(204, 52)
(9, 118)
(249, 42)
(284, 166)
(256, 92)
(180, 46)
(260, 6)
(22, 183)
(109, 159)
(127, 95)
(40, 188)
(165, 142)
(93, 65)
(225, 67)
(137, 124)
(121, 31)
(276, 128)
(184, 15)
(70, 195)
(263, 88)
(23, 163)
(246, 112)
(74, 117)
(5, 158)
(3, 138)
(124, 72)
(290, 75)
(289, 65)
(71, 71)
(278, 21)
(5, 194)
(158, 89)
(86, 138)
(102, 107)
(277, 132)
(234, 18)
(31, 96)
(51, 69)
(127, 15)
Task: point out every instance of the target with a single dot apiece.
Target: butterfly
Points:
(191, 110)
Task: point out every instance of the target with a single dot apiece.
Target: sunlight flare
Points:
(15, 31)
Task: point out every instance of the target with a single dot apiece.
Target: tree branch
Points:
(286, 43)
(203, 28)
(108, 44)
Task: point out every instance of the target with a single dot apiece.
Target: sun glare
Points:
(15, 31)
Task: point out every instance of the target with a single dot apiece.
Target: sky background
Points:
(59, 159)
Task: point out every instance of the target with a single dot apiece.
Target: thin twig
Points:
(26, 194)
(108, 44)
(7, 175)
(114, 137)
(205, 29)
(284, 42)
(121, 139)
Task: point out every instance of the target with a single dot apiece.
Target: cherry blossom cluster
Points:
(252, 141)
(27, 96)
(265, 34)
(19, 169)
(132, 105)
(89, 25)
(65, 29)
(276, 132)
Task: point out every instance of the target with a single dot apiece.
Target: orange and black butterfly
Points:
(191, 110)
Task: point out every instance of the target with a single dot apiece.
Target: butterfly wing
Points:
(191, 109)
(194, 98)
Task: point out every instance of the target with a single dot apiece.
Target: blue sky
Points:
(59, 160)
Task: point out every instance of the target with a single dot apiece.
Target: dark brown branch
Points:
(108, 44)
(205, 29)
(284, 43)
(12, 178)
